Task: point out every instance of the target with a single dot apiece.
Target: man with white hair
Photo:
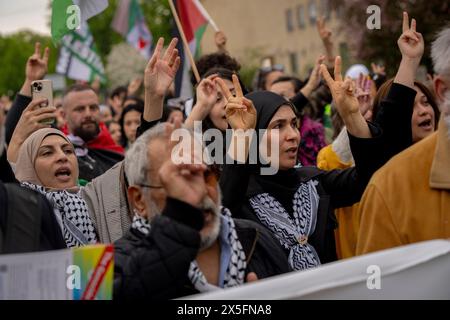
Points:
(408, 200)
(182, 241)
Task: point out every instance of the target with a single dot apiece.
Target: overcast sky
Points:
(24, 14)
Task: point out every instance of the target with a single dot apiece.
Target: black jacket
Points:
(156, 266)
(336, 188)
(27, 220)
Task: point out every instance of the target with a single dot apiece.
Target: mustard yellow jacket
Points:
(408, 200)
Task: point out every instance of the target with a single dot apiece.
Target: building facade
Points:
(281, 31)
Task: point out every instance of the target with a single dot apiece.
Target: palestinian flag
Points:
(129, 21)
(194, 20)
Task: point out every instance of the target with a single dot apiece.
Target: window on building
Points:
(312, 10)
(301, 17)
(325, 9)
(294, 62)
(289, 20)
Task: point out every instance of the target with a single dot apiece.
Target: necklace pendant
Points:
(302, 239)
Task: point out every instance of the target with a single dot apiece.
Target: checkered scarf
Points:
(235, 273)
(292, 232)
(71, 212)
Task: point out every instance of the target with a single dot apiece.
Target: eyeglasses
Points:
(150, 186)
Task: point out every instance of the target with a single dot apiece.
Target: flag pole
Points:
(183, 38)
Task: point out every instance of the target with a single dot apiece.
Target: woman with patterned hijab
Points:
(296, 203)
(47, 163)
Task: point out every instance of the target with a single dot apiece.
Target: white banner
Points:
(416, 271)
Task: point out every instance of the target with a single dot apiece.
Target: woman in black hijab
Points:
(297, 203)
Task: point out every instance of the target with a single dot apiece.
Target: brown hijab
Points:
(25, 170)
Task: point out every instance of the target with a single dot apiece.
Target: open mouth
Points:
(426, 124)
(63, 174)
(292, 151)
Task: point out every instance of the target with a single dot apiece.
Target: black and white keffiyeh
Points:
(235, 273)
(71, 212)
(292, 232)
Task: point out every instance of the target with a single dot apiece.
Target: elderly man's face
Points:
(158, 153)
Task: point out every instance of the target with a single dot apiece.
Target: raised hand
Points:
(363, 94)
(35, 69)
(185, 181)
(314, 78)
(134, 86)
(411, 46)
(346, 103)
(221, 40)
(411, 42)
(37, 65)
(377, 69)
(324, 32)
(239, 111)
(343, 92)
(29, 122)
(206, 93)
(159, 75)
(160, 71)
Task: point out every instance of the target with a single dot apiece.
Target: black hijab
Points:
(284, 183)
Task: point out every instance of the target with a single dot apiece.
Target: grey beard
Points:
(207, 240)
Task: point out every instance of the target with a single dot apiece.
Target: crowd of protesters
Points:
(363, 165)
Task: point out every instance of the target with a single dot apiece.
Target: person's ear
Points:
(137, 200)
(440, 87)
(64, 114)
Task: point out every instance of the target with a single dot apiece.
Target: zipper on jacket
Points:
(253, 246)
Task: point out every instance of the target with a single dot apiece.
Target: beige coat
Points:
(108, 205)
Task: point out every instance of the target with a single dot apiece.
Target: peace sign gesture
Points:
(324, 32)
(343, 92)
(239, 111)
(37, 64)
(411, 42)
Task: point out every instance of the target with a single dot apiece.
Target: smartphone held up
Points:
(43, 89)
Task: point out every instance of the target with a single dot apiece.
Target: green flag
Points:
(67, 15)
(64, 15)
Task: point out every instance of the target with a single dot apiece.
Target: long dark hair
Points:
(132, 107)
(386, 87)
(223, 74)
